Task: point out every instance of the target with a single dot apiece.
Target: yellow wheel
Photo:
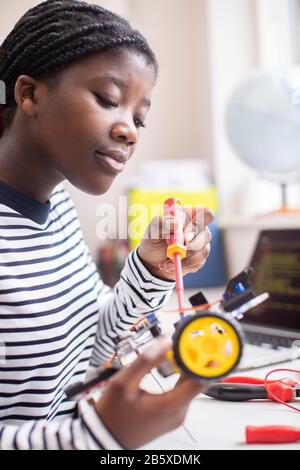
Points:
(207, 345)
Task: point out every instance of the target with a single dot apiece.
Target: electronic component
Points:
(207, 344)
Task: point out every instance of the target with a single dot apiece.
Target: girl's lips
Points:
(112, 163)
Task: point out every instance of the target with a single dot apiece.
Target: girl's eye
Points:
(139, 123)
(106, 103)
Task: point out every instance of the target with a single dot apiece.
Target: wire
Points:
(137, 322)
(183, 425)
(108, 364)
(196, 307)
(110, 361)
(267, 383)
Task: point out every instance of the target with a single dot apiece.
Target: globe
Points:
(263, 123)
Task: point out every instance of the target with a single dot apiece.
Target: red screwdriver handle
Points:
(175, 241)
(176, 249)
(271, 434)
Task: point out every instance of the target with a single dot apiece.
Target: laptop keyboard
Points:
(274, 342)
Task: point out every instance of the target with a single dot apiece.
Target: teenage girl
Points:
(78, 88)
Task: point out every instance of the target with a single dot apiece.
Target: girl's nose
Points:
(122, 132)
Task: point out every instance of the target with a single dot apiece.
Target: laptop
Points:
(272, 329)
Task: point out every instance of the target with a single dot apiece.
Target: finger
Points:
(167, 266)
(193, 211)
(153, 230)
(208, 216)
(185, 390)
(196, 261)
(199, 241)
(171, 225)
(199, 220)
(162, 227)
(196, 219)
(196, 258)
(151, 357)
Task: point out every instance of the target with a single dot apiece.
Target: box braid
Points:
(56, 33)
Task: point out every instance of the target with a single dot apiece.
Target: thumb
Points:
(185, 390)
(151, 357)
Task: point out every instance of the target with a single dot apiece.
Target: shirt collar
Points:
(23, 204)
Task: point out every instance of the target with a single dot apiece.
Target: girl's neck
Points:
(25, 169)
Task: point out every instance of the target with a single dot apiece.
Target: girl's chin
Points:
(94, 187)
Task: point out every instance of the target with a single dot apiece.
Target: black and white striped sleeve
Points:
(83, 433)
(137, 292)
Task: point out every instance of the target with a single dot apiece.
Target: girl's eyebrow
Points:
(122, 86)
(117, 81)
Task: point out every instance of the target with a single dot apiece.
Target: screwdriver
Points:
(176, 248)
(78, 390)
(271, 434)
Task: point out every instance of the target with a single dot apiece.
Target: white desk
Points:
(218, 424)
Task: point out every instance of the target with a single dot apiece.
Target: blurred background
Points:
(200, 140)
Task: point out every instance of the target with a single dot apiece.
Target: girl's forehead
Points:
(128, 65)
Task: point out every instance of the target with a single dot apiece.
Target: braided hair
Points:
(56, 33)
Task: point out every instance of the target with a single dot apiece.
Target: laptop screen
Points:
(276, 263)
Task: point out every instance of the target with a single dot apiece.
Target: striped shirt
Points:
(57, 318)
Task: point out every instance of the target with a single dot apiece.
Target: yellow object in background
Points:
(144, 204)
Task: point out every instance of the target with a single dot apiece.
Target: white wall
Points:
(233, 53)
(10, 12)
(179, 125)
(205, 47)
(244, 34)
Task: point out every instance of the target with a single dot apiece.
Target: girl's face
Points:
(88, 125)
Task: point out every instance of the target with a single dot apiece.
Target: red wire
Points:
(272, 394)
(196, 307)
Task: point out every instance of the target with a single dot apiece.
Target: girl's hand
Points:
(153, 247)
(135, 417)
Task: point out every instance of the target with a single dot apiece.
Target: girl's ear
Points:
(26, 94)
